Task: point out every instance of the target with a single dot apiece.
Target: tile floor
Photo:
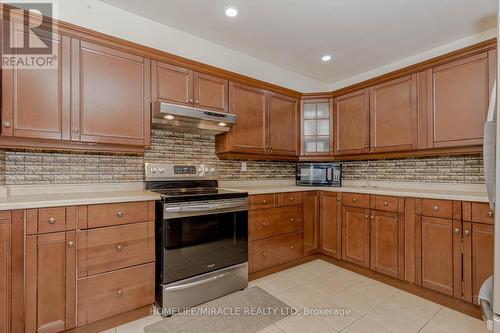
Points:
(374, 307)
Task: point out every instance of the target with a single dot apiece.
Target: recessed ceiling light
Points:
(326, 58)
(231, 11)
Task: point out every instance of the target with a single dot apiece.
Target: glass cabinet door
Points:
(316, 127)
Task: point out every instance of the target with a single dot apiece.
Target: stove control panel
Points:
(170, 171)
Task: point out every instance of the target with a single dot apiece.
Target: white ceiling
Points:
(361, 35)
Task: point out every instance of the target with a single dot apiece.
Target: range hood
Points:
(191, 120)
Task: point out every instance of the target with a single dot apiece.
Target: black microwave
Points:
(319, 174)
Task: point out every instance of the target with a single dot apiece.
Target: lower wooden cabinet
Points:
(50, 282)
(439, 255)
(273, 251)
(477, 258)
(330, 224)
(387, 243)
(311, 225)
(356, 235)
(5, 276)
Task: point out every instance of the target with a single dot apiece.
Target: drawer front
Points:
(51, 219)
(482, 213)
(115, 214)
(356, 200)
(277, 250)
(106, 249)
(5, 215)
(262, 201)
(385, 203)
(274, 222)
(437, 208)
(109, 294)
(290, 199)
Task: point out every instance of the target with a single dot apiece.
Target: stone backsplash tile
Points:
(35, 167)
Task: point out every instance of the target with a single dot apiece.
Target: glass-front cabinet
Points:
(317, 127)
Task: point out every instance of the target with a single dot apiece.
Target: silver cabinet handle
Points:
(466, 232)
(7, 124)
(490, 214)
(190, 100)
(292, 198)
(119, 293)
(119, 247)
(264, 202)
(456, 231)
(366, 216)
(52, 220)
(264, 224)
(119, 214)
(436, 208)
(292, 219)
(354, 199)
(264, 254)
(291, 247)
(71, 244)
(386, 203)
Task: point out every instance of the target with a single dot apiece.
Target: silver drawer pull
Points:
(292, 198)
(436, 208)
(119, 293)
(119, 248)
(490, 214)
(292, 220)
(264, 202)
(456, 231)
(264, 254)
(366, 216)
(52, 220)
(264, 224)
(291, 247)
(119, 214)
(71, 244)
(354, 199)
(466, 232)
(385, 203)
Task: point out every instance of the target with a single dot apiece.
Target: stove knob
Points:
(200, 170)
(162, 170)
(206, 169)
(153, 170)
(212, 170)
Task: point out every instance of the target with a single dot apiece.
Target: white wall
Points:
(111, 20)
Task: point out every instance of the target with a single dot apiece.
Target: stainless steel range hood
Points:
(191, 120)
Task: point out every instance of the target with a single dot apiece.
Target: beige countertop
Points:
(38, 196)
(463, 192)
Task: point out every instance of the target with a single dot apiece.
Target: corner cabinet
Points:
(96, 98)
(317, 127)
(267, 125)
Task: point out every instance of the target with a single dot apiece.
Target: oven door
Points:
(201, 237)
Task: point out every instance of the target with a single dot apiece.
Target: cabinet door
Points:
(171, 84)
(330, 225)
(51, 282)
(36, 102)
(283, 129)
(387, 248)
(393, 115)
(248, 135)
(438, 245)
(459, 102)
(356, 235)
(351, 123)
(5, 275)
(310, 201)
(210, 92)
(478, 258)
(317, 127)
(113, 88)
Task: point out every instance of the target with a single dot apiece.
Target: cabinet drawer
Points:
(276, 221)
(106, 249)
(437, 208)
(51, 219)
(290, 199)
(356, 200)
(277, 250)
(114, 214)
(482, 213)
(109, 294)
(262, 201)
(385, 203)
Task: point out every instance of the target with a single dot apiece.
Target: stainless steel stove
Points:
(201, 235)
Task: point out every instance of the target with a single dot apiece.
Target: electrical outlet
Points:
(244, 166)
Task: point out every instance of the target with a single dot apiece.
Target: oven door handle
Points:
(208, 208)
(200, 282)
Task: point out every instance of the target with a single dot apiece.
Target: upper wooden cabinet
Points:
(457, 97)
(266, 125)
(178, 85)
(317, 127)
(283, 121)
(36, 102)
(393, 115)
(352, 123)
(112, 88)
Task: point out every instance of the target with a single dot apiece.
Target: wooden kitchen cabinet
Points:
(50, 282)
(311, 221)
(317, 127)
(393, 115)
(457, 99)
(356, 235)
(387, 243)
(330, 224)
(111, 90)
(352, 123)
(36, 102)
(283, 125)
(5, 276)
(179, 85)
